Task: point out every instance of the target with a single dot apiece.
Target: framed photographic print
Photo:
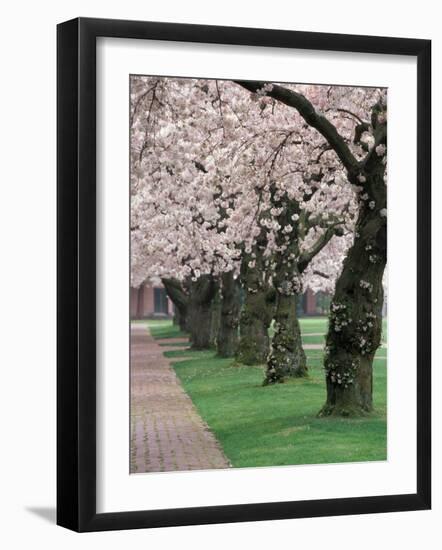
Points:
(239, 337)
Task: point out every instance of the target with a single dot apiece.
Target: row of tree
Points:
(244, 194)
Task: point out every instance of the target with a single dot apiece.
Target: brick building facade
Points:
(149, 302)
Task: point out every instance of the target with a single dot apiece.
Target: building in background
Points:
(150, 302)
(314, 304)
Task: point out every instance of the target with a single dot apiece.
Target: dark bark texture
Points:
(176, 317)
(287, 358)
(355, 322)
(256, 315)
(180, 299)
(216, 318)
(228, 333)
(202, 293)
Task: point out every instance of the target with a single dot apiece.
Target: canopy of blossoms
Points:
(214, 169)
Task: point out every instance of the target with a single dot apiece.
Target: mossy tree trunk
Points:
(256, 314)
(287, 358)
(355, 321)
(228, 335)
(202, 293)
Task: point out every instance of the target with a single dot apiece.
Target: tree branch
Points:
(321, 274)
(359, 119)
(323, 240)
(311, 116)
(176, 293)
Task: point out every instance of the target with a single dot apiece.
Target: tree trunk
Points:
(201, 326)
(355, 321)
(202, 293)
(227, 342)
(180, 300)
(256, 316)
(176, 316)
(287, 358)
(216, 318)
(180, 320)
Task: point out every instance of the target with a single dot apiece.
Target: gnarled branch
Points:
(176, 293)
(311, 116)
(323, 240)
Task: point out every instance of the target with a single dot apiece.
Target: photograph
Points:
(227, 257)
(258, 273)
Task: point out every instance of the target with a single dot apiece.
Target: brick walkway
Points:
(167, 433)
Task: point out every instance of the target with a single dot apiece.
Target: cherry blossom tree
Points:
(175, 229)
(256, 183)
(356, 311)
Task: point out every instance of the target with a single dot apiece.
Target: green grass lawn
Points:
(165, 329)
(310, 329)
(313, 324)
(277, 425)
(313, 339)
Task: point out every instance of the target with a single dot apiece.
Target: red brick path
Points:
(167, 433)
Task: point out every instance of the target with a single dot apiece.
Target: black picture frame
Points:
(76, 274)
